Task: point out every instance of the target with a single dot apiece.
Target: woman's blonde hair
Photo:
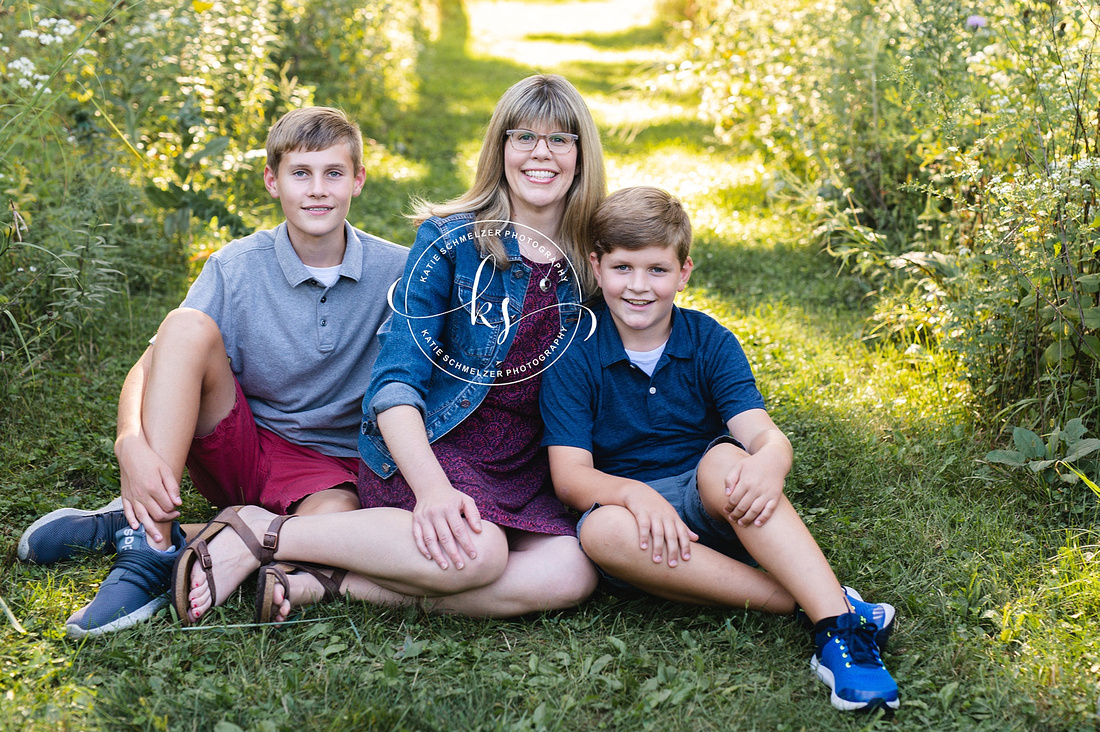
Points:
(543, 99)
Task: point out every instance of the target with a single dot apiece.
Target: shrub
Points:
(125, 105)
(945, 152)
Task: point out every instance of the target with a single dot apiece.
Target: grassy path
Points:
(884, 477)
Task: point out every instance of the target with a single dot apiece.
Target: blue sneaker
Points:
(848, 661)
(67, 532)
(134, 589)
(881, 614)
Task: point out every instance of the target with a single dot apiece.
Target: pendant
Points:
(544, 284)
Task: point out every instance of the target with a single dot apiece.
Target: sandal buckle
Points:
(271, 541)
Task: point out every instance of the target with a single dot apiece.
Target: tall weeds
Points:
(948, 153)
(131, 139)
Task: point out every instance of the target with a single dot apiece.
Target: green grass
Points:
(997, 625)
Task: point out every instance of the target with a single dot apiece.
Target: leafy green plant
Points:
(1056, 465)
(947, 153)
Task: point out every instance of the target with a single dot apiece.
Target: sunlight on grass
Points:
(502, 29)
(682, 173)
(1052, 631)
(801, 362)
(627, 112)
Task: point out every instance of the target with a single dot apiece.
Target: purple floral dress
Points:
(494, 456)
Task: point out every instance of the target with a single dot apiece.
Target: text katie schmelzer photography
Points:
(493, 314)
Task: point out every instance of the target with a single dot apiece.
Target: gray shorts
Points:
(682, 492)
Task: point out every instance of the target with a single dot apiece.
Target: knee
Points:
(191, 328)
(574, 578)
(608, 532)
(492, 557)
(710, 477)
(577, 583)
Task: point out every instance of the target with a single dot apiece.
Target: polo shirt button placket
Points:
(325, 337)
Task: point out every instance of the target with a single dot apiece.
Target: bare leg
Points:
(797, 571)
(610, 537)
(332, 500)
(188, 391)
(543, 573)
(376, 543)
(783, 545)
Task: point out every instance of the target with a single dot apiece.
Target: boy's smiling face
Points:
(640, 287)
(315, 189)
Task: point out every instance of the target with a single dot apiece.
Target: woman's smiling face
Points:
(538, 179)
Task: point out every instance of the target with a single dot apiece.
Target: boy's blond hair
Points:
(311, 129)
(640, 217)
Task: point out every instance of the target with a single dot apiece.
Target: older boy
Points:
(296, 310)
(656, 430)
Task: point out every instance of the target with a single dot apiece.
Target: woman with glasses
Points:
(458, 509)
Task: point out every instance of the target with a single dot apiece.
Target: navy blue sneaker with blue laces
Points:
(69, 532)
(848, 661)
(135, 588)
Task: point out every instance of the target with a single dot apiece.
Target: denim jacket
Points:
(448, 337)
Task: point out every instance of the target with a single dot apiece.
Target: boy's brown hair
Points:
(311, 129)
(640, 217)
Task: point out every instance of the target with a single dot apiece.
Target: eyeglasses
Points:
(556, 142)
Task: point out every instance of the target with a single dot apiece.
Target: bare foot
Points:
(231, 561)
(305, 589)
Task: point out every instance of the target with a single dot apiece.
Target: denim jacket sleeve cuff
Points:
(395, 394)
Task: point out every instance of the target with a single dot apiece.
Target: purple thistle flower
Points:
(976, 21)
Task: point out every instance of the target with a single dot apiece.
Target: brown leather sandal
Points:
(278, 573)
(198, 551)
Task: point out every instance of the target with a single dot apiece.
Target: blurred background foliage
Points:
(131, 138)
(944, 151)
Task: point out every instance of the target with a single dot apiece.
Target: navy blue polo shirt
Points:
(648, 427)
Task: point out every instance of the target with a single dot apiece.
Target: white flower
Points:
(28, 34)
(23, 65)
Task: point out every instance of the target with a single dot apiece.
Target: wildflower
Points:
(976, 21)
(27, 33)
(23, 65)
(60, 26)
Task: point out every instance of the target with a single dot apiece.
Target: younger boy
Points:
(656, 430)
(296, 310)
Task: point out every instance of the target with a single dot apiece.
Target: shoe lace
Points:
(860, 640)
(144, 569)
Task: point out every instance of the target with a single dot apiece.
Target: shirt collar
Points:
(611, 344)
(296, 272)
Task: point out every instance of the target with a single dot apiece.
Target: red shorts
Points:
(243, 463)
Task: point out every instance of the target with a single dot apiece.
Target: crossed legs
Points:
(514, 573)
(796, 570)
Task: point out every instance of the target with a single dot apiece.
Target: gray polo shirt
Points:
(302, 352)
